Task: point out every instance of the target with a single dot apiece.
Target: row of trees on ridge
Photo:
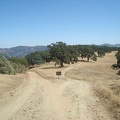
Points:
(59, 52)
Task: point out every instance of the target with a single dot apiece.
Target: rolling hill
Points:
(21, 51)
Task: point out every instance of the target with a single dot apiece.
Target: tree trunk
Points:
(88, 59)
(61, 63)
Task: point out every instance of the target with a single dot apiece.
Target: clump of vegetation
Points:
(5, 66)
(34, 59)
(60, 53)
(19, 64)
(12, 65)
(119, 72)
(101, 53)
(117, 65)
(114, 66)
(88, 52)
(118, 58)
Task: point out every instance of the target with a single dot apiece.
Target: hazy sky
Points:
(42, 22)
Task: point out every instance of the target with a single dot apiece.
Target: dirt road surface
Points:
(60, 99)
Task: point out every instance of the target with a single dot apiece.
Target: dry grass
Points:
(106, 81)
(46, 68)
(10, 83)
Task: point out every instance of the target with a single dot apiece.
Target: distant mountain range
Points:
(21, 51)
(111, 45)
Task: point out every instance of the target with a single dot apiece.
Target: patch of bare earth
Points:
(106, 81)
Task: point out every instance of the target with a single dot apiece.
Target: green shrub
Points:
(19, 68)
(19, 64)
(5, 66)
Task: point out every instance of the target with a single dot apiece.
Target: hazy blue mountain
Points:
(117, 45)
(21, 51)
(111, 45)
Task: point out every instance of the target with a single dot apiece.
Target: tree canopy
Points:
(60, 52)
(118, 58)
(101, 53)
(34, 58)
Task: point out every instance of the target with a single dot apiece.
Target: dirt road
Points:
(60, 99)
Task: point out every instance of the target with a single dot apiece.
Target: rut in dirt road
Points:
(57, 100)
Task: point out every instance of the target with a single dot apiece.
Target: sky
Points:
(42, 22)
